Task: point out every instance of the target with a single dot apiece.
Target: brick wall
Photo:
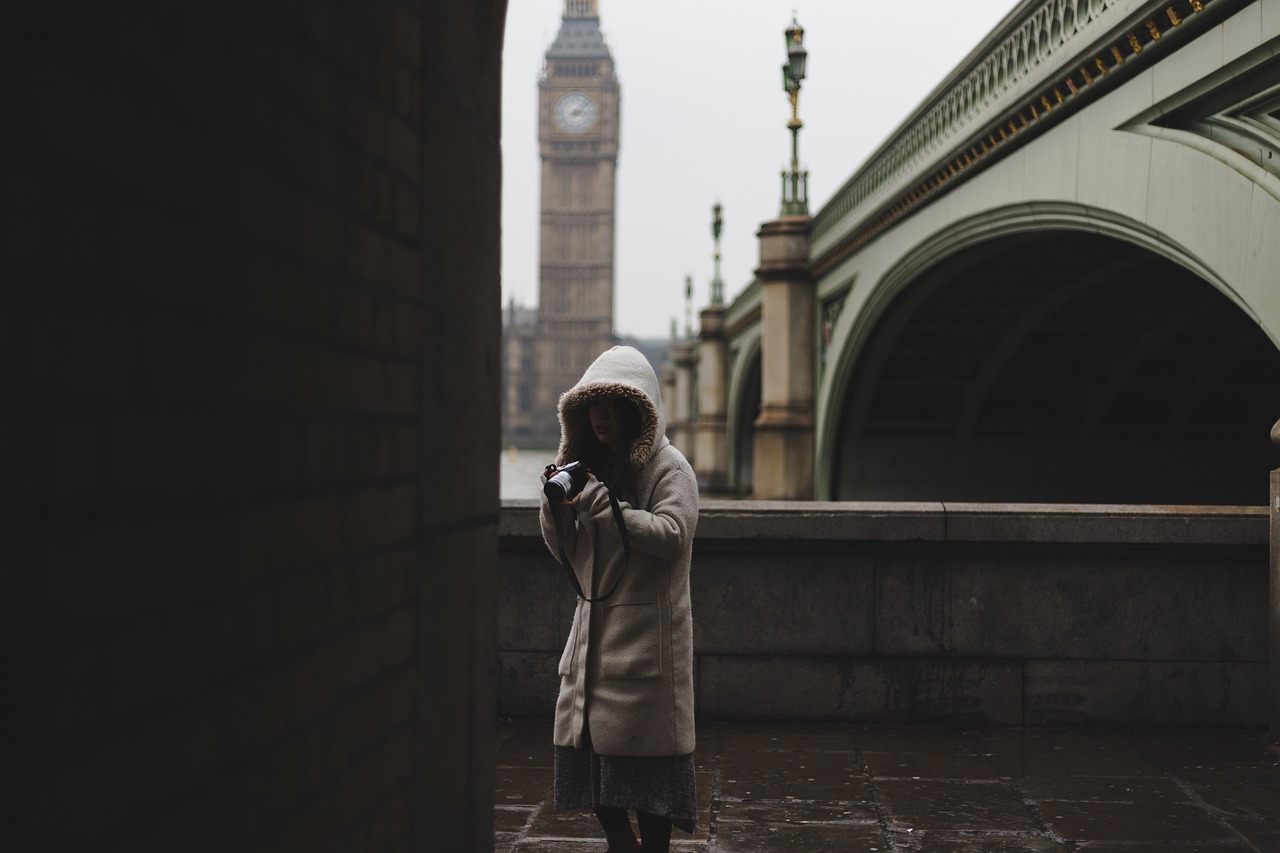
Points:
(233, 618)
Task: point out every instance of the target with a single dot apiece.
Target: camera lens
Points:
(558, 487)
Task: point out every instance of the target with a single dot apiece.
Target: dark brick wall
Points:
(249, 316)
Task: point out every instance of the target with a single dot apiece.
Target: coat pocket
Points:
(570, 651)
(631, 646)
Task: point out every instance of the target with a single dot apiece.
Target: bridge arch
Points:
(957, 377)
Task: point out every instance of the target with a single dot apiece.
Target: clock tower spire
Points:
(581, 9)
(578, 114)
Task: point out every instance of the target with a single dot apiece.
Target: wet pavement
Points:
(819, 788)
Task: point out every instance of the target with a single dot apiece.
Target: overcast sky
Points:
(704, 119)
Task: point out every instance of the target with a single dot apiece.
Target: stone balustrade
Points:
(931, 612)
(1042, 62)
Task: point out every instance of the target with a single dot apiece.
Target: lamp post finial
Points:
(795, 184)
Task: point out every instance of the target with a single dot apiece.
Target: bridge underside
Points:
(1060, 367)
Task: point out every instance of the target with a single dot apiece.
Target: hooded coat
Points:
(628, 662)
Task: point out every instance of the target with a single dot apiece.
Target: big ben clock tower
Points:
(578, 111)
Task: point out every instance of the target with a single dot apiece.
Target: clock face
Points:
(575, 112)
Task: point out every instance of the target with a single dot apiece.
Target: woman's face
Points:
(604, 421)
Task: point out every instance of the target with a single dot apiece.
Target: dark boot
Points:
(655, 832)
(617, 829)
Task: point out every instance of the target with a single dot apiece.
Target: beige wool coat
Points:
(628, 662)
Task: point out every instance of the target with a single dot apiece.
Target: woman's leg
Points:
(617, 828)
(655, 832)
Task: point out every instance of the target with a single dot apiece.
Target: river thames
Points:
(519, 469)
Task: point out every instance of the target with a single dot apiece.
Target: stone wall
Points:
(236, 612)
(921, 612)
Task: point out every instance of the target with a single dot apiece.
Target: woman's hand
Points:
(593, 498)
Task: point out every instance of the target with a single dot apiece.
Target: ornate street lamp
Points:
(795, 184)
(688, 308)
(717, 286)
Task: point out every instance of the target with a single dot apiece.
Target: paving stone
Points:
(546, 845)
(752, 837)
(1102, 789)
(1265, 836)
(573, 823)
(1183, 748)
(1124, 847)
(799, 814)
(951, 806)
(512, 820)
(769, 775)
(930, 739)
(933, 842)
(1054, 753)
(1024, 768)
(1204, 773)
(923, 765)
(1134, 822)
(813, 788)
(1249, 795)
(522, 785)
(706, 782)
(1095, 745)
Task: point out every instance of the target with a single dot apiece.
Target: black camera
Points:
(564, 483)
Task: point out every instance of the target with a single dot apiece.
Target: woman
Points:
(624, 732)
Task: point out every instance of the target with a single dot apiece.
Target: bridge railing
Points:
(1044, 59)
(923, 612)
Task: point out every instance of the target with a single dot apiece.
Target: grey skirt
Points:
(662, 785)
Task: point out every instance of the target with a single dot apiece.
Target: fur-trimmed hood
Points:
(618, 372)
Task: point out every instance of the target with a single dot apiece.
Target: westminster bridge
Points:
(1057, 280)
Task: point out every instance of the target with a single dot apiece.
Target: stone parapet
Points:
(816, 522)
(931, 612)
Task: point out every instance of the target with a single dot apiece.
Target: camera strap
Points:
(622, 533)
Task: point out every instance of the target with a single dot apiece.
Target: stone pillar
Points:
(711, 439)
(1273, 706)
(680, 418)
(667, 384)
(784, 441)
